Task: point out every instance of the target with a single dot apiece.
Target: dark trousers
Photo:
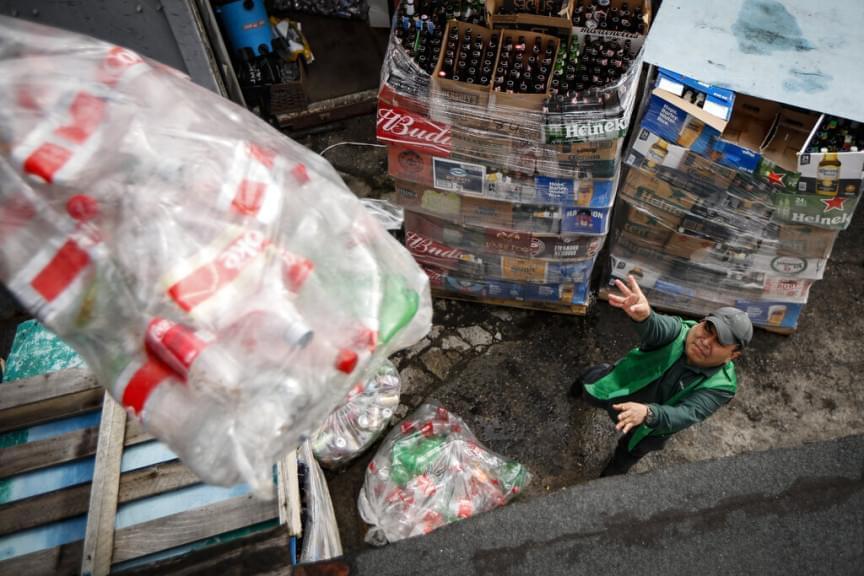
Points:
(623, 459)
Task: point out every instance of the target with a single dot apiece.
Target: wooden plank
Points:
(45, 387)
(59, 449)
(99, 535)
(331, 110)
(59, 407)
(191, 526)
(62, 560)
(265, 552)
(288, 491)
(573, 310)
(73, 501)
(604, 295)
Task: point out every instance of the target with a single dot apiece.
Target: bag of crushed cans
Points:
(431, 471)
(320, 538)
(219, 279)
(360, 419)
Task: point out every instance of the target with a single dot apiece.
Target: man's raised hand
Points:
(631, 300)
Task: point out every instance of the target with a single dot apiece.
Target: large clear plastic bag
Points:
(219, 279)
(361, 418)
(431, 471)
(321, 539)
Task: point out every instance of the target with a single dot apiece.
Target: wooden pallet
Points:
(604, 295)
(573, 310)
(73, 391)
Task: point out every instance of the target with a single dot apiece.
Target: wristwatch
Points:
(650, 417)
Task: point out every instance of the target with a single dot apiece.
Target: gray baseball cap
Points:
(733, 326)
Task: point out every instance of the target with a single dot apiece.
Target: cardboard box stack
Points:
(503, 123)
(733, 201)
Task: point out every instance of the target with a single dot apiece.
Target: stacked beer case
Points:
(730, 200)
(508, 190)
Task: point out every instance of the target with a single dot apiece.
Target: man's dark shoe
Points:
(590, 375)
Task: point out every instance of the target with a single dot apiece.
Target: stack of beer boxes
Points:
(730, 200)
(507, 197)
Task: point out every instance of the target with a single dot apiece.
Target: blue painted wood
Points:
(37, 351)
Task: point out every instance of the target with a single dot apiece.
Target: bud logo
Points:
(420, 245)
(204, 282)
(400, 126)
(458, 172)
(789, 265)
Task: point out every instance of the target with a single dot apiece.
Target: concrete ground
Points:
(506, 371)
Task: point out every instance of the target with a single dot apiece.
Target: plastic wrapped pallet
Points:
(505, 119)
(733, 200)
(219, 279)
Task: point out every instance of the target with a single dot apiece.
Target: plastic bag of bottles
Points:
(320, 531)
(431, 471)
(360, 419)
(219, 279)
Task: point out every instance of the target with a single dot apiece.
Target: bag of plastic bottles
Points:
(218, 278)
(320, 538)
(360, 419)
(431, 471)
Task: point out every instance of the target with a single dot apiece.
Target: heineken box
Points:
(503, 242)
(477, 264)
(556, 293)
(484, 212)
(813, 210)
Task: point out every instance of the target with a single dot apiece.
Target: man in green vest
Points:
(680, 374)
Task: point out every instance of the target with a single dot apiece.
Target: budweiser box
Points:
(503, 242)
(465, 177)
(524, 14)
(567, 294)
(475, 264)
(468, 210)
